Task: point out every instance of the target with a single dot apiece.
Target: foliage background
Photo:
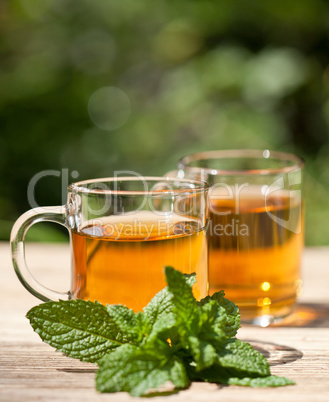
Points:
(192, 75)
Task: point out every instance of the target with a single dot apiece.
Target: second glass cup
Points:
(255, 229)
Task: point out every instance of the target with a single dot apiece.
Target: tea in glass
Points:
(255, 228)
(121, 259)
(124, 231)
(254, 258)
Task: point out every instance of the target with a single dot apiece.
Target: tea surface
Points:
(121, 259)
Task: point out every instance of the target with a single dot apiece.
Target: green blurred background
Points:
(95, 86)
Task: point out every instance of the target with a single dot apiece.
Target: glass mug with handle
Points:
(123, 232)
(255, 228)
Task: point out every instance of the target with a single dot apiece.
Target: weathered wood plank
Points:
(33, 371)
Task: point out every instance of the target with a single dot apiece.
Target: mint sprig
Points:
(175, 340)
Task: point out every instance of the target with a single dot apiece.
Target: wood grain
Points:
(33, 371)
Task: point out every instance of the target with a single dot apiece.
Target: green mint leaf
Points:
(164, 329)
(185, 305)
(204, 354)
(159, 306)
(134, 326)
(141, 371)
(198, 326)
(237, 359)
(269, 381)
(159, 312)
(190, 279)
(212, 323)
(80, 329)
(210, 335)
(233, 316)
(243, 358)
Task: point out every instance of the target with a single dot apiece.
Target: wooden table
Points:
(32, 371)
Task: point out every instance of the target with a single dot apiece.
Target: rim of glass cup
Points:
(265, 154)
(196, 185)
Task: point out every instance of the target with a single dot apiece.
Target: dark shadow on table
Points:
(306, 315)
(274, 353)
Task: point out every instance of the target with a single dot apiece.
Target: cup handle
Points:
(19, 230)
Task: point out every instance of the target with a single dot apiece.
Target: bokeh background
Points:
(94, 86)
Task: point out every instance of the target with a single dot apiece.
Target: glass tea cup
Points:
(123, 232)
(255, 229)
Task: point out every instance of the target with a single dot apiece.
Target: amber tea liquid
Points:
(121, 259)
(255, 259)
